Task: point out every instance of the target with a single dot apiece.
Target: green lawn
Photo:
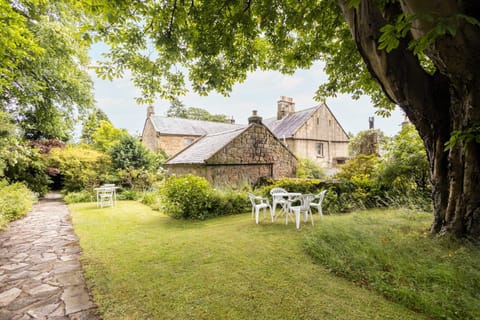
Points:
(141, 264)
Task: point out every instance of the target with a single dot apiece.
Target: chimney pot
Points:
(254, 118)
(150, 111)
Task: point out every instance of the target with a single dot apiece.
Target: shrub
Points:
(19, 162)
(81, 196)
(187, 197)
(230, 202)
(16, 200)
(138, 179)
(192, 197)
(128, 194)
(308, 169)
(81, 167)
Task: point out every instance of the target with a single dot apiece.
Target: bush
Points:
(230, 202)
(16, 200)
(20, 162)
(187, 197)
(81, 196)
(192, 197)
(308, 169)
(128, 194)
(81, 168)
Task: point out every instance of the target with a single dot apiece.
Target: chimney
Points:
(370, 122)
(254, 118)
(230, 121)
(150, 111)
(285, 106)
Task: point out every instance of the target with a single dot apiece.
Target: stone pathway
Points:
(40, 272)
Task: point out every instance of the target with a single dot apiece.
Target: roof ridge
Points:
(194, 120)
(225, 132)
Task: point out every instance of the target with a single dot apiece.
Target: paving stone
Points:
(22, 302)
(23, 275)
(67, 266)
(70, 278)
(13, 266)
(42, 311)
(22, 317)
(59, 312)
(69, 257)
(5, 314)
(85, 315)
(42, 289)
(8, 296)
(20, 257)
(76, 299)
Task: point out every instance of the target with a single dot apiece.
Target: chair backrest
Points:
(320, 196)
(306, 199)
(277, 190)
(252, 198)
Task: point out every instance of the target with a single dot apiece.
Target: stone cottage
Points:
(312, 133)
(174, 134)
(241, 155)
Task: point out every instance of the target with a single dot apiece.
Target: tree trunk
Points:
(436, 104)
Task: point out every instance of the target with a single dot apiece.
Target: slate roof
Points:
(166, 125)
(287, 126)
(205, 147)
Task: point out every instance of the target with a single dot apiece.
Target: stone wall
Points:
(149, 136)
(225, 175)
(172, 144)
(323, 128)
(258, 145)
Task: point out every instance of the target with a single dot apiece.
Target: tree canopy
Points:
(177, 109)
(43, 60)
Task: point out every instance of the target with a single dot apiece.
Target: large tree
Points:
(438, 89)
(420, 55)
(44, 83)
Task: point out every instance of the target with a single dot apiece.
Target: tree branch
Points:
(170, 25)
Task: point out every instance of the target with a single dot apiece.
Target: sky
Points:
(260, 92)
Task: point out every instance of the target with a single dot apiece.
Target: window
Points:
(318, 121)
(320, 150)
(187, 141)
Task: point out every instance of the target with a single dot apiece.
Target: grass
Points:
(141, 264)
(392, 253)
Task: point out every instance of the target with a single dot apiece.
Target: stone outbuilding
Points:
(312, 133)
(174, 134)
(234, 157)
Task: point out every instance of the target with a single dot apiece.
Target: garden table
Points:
(106, 195)
(289, 196)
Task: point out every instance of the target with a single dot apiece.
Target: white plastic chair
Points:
(105, 197)
(259, 203)
(318, 204)
(304, 207)
(279, 200)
